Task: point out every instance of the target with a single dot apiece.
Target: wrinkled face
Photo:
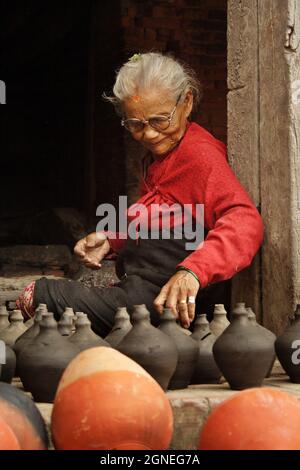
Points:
(148, 104)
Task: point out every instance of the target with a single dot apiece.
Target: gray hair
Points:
(152, 69)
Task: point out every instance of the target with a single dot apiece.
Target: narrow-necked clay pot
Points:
(187, 351)
(287, 347)
(31, 333)
(4, 321)
(265, 331)
(70, 313)
(65, 324)
(42, 362)
(14, 330)
(151, 348)
(121, 327)
(243, 353)
(9, 368)
(206, 370)
(219, 322)
(84, 337)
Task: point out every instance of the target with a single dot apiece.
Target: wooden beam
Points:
(243, 126)
(279, 57)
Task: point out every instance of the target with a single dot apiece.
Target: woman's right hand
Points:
(92, 249)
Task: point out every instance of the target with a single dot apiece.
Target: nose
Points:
(149, 133)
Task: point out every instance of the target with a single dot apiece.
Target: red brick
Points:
(168, 23)
(221, 85)
(164, 34)
(135, 32)
(160, 12)
(150, 34)
(218, 14)
(132, 11)
(194, 50)
(126, 22)
(216, 49)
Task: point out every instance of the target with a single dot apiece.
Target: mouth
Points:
(154, 144)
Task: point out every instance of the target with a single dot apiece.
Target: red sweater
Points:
(197, 171)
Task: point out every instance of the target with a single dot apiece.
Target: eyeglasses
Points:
(159, 123)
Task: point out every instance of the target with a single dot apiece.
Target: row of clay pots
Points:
(174, 359)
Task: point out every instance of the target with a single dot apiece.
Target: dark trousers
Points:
(143, 268)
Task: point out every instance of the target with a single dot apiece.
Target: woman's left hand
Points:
(175, 295)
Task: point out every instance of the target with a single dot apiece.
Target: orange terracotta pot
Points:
(23, 418)
(8, 440)
(107, 401)
(254, 419)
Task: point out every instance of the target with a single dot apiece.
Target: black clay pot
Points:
(4, 321)
(265, 331)
(69, 312)
(243, 353)
(219, 322)
(150, 347)
(206, 370)
(287, 347)
(31, 333)
(65, 324)
(187, 351)
(84, 337)
(42, 362)
(14, 330)
(9, 368)
(121, 327)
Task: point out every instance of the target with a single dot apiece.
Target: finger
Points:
(79, 248)
(160, 300)
(183, 308)
(95, 239)
(92, 261)
(183, 313)
(172, 300)
(92, 265)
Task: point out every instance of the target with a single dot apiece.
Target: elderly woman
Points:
(184, 165)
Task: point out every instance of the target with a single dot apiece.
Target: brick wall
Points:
(194, 31)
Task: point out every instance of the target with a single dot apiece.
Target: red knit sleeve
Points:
(234, 224)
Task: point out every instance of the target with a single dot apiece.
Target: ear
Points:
(188, 103)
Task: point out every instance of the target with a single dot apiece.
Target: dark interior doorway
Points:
(57, 58)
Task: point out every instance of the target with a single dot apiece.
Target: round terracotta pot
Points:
(121, 405)
(256, 419)
(23, 417)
